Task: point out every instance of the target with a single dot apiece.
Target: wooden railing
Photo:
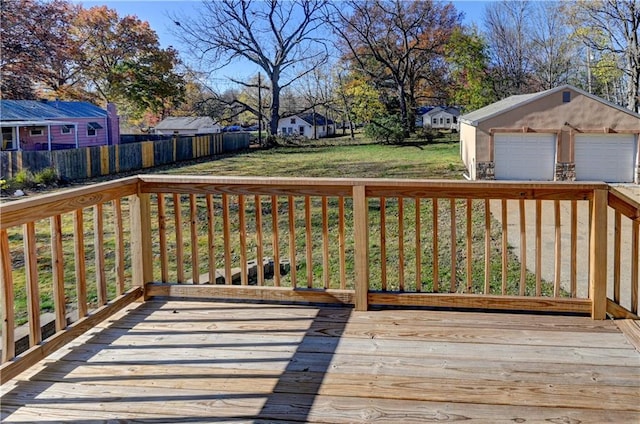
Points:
(85, 253)
(623, 250)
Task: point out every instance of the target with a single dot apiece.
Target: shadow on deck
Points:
(209, 362)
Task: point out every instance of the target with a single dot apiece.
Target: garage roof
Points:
(512, 102)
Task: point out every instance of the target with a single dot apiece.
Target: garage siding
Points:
(605, 157)
(525, 156)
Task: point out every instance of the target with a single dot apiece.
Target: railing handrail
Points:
(21, 211)
(624, 204)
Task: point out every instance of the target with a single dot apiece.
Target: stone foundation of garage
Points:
(565, 171)
(485, 171)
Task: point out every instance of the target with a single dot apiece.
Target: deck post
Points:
(141, 255)
(598, 255)
(361, 248)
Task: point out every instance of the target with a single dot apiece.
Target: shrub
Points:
(386, 129)
(23, 179)
(47, 177)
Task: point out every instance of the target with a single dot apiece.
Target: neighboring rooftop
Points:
(185, 123)
(319, 119)
(28, 110)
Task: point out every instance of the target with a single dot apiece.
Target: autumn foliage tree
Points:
(398, 44)
(59, 49)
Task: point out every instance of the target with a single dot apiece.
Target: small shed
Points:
(187, 125)
(559, 134)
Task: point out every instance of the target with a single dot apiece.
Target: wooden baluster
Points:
(574, 248)
(80, 265)
(259, 240)
(244, 275)
(211, 239)
(57, 271)
(162, 233)
(558, 249)
(342, 244)
(292, 240)
(226, 229)
(523, 249)
(469, 247)
(505, 246)
(635, 251)
(325, 242)
(418, 247)
(8, 315)
(98, 241)
(193, 221)
(33, 291)
(436, 262)
(383, 242)
(276, 241)
(308, 240)
(487, 247)
(617, 229)
(454, 247)
(538, 248)
(141, 254)
(177, 207)
(119, 241)
(401, 243)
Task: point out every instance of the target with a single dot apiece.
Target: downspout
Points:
(18, 138)
(75, 131)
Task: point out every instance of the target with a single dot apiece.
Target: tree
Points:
(552, 48)
(507, 32)
(280, 37)
(612, 28)
(37, 47)
(395, 43)
(468, 59)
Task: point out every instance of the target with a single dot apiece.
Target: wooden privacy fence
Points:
(552, 247)
(88, 162)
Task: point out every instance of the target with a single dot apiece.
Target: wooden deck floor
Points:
(182, 361)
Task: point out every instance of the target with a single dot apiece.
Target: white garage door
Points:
(522, 156)
(605, 157)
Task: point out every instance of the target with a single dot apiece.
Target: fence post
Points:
(141, 255)
(598, 255)
(361, 235)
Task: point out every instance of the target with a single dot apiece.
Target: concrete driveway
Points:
(548, 242)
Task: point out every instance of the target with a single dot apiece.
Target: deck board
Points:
(194, 361)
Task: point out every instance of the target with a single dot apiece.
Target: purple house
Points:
(52, 125)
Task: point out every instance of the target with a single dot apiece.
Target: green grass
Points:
(413, 159)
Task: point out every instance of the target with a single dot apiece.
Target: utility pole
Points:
(259, 109)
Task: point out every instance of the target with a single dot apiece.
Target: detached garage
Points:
(559, 134)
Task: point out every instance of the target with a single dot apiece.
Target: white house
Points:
(303, 125)
(441, 118)
(187, 125)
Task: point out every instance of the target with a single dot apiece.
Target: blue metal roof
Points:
(25, 110)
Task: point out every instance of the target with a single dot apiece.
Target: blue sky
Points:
(157, 12)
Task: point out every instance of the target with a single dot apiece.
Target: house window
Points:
(36, 131)
(566, 96)
(434, 121)
(66, 129)
(293, 120)
(455, 119)
(301, 130)
(441, 120)
(92, 129)
(448, 120)
(7, 138)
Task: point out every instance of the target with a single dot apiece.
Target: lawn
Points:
(414, 159)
